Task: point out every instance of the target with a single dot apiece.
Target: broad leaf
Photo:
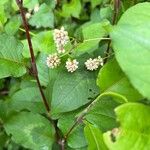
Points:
(102, 112)
(71, 91)
(27, 98)
(112, 79)
(130, 40)
(13, 25)
(94, 137)
(30, 130)
(134, 131)
(11, 61)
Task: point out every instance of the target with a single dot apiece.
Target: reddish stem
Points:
(33, 61)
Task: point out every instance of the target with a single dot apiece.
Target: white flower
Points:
(72, 65)
(53, 61)
(28, 15)
(93, 64)
(61, 38)
(36, 8)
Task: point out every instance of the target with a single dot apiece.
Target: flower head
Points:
(93, 64)
(72, 65)
(53, 61)
(61, 38)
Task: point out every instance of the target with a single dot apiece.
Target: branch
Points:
(114, 20)
(81, 117)
(33, 61)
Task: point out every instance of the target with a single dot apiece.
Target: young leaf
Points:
(134, 128)
(130, 40)
(11, 60)
(30, 130)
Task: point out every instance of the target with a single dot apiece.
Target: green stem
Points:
(31, 33)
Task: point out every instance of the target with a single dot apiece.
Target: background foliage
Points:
(96, 110)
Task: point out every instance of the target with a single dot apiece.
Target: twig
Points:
(81, 117)
(114, 20)
(33, 61)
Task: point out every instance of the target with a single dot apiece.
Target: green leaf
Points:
(30, 130)
(76, 138)
(28, 98)
(71, 9)
(71, 91)
(3, 140)
(3, 17)
(30, 4)
(91, 40)
(42, 42)
(102, 113)
(13, 25)
(11, 61)
(112, 79)
(134, 128)
(94, 137)
(130, 40)
(43, 70)
(95, 3)
(43, 18)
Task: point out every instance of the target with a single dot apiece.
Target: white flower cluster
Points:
(71, 65)
(93, 64)
(53, 61)
(61, 38)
